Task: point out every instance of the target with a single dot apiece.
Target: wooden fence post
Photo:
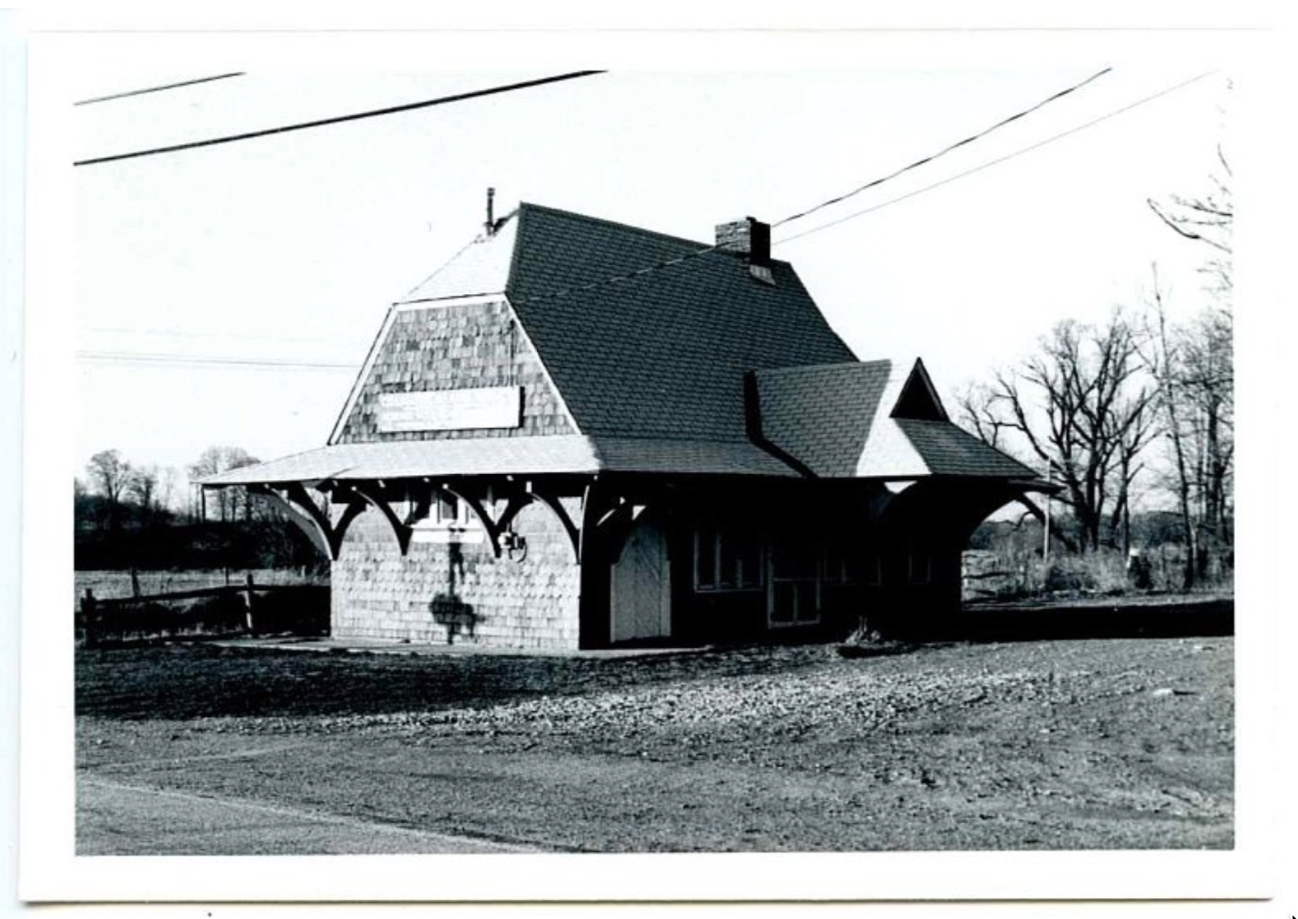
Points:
(88, 618)
(247, 604)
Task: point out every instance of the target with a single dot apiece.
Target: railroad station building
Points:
(579, 434)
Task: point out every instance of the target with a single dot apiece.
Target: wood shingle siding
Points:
(463, 346)
(441, 588)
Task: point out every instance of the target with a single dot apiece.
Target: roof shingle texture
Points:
(660, 355)
(950, 450)
(822, 415)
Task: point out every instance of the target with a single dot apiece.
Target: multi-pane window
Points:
(794, 598)
(726, 558)
(446, 512)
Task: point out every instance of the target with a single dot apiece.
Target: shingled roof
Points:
(822, 415)
(672, 357)
(870, 419)
(661, 354)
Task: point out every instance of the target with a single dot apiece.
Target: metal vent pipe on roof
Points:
(491, 212)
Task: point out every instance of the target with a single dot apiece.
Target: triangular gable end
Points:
(919, 398)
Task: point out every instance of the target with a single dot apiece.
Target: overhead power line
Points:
(128, 357)
(206, 335)
(158, 89)
(689, 256)
(945, 150)
(339, 119)
(998, 160)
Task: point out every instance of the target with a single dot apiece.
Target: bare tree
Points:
(230, 502)
(109, 475)
(1208, 220)
(1195, 366)
(1081, 408)
(142, 487)
(167, 477)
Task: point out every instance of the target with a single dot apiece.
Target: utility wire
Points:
(648, 269)
(339, 119)
(127, 357)
(998, 160)
(705, 250)
(955, 146)
(158, 89)
(206, 335)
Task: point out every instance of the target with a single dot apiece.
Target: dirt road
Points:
(1119, 743)
(118, 819)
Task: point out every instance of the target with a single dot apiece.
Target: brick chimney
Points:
(752, 238)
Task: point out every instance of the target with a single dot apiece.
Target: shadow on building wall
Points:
(448, 610)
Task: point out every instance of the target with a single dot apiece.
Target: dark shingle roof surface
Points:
(950, 450)
(822, 415)
(662, 355)
(652, 369)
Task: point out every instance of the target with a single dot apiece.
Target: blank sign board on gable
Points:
(451, 409)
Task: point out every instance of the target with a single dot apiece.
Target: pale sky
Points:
(290, 248)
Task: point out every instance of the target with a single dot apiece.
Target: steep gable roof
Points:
(918, 397)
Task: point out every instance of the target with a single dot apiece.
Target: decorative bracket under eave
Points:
(297, 504)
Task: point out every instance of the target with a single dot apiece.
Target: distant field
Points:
(118, 583)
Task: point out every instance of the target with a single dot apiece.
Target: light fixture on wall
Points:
(515, 545)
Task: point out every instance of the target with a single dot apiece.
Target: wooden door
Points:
(640, 585)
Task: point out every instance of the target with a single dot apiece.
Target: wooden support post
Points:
(135, 582)
(247, 605)
(89, 618)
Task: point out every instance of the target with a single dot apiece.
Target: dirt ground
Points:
(1066, 744)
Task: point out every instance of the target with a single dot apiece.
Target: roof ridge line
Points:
(613, 223)
(793, 368)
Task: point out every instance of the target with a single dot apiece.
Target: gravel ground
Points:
(1118, 743)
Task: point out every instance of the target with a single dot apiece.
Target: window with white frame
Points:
(446, 512)
(727, 558)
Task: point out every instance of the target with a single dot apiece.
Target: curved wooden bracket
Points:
(400, 528)
(419, 508)
(494, 528)
(313, 521)
(515, 504)
(574, 534)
